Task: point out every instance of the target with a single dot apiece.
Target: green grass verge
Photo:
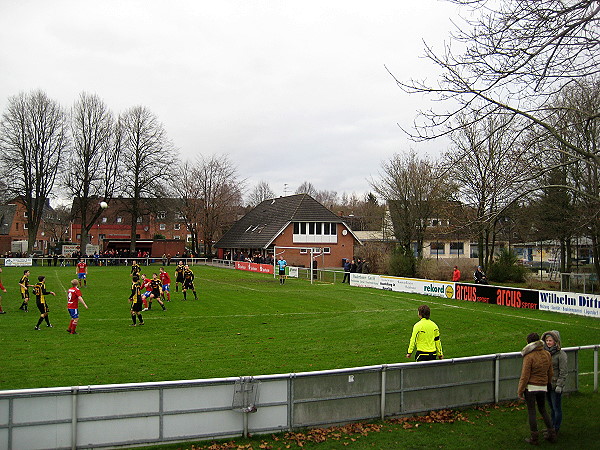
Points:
(245, 324)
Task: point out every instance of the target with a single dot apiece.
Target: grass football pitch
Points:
(245, 324)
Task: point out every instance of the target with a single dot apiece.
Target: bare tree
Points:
(56, 224)
(210, 191)
(148, 160)
(487, 161)
(221, 189)
(190, 205)
(261, 192)
(580, 102)
(33, 139)
(307, 188)
(517, 55)
(94, 160)
(326, 198)
(411, 187)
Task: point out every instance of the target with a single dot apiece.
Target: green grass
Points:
(245, 324)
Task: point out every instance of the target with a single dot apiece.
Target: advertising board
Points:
(497, 295)
(417, 286)
(365, 280)
(18, 262)
(254, 267)
(570, 303)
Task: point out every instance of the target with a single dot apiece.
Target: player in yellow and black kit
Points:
(179, 269)
(136, 301)
(40, 300)
(156, 291)
(188, 282)
(135, 269)
(24, 288)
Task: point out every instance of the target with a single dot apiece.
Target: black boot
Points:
(533, 440)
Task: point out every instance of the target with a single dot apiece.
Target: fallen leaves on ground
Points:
(352, 432)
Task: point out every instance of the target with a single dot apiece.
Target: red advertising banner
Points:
(253, 267)
(516, 298)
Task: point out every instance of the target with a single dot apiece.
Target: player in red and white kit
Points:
(146, 290)
(74, 297)
(166, 284)
(81, 271)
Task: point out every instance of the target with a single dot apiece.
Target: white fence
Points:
(147, 413)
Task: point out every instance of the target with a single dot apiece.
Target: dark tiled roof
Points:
(259, 227)
(7, 215)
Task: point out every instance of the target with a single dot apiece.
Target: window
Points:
(104, 219)
(162, 227)
(303, 251)
(25, 214)
(327, 250)
(437, 248)
(161, 214)
(318, 228)
(139, 219)
(457, 248)
(177, 226)
(296, 227)
(25, 227)
(311, 228)
(303, 228)
(474, 250)
(78, 237)
(180, 216)
(119, 219)
(176, 237)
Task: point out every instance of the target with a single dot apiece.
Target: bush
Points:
(402, 264)
(506, 268)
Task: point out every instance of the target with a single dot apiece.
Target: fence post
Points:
(497, 378)
(383, 389)
(596, 368)
(74, 391)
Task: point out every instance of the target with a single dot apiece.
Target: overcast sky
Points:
(291, 91)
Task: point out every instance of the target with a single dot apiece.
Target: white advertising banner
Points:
(18, 262)
(571, 303)
(365, 280)
(292, 272)
(415, 286)
(69, 249)
(410, 285)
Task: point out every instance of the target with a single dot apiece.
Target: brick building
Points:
(297, 221)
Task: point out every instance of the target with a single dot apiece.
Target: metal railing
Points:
(110, 261)
(171, 411)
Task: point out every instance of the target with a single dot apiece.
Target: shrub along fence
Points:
(148, 413)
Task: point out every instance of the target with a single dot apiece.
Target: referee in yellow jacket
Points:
(425, 338)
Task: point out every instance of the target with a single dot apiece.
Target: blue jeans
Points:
(555, 402)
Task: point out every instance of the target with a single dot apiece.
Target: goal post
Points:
(313, 252)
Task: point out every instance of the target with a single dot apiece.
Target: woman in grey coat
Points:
(559, 365)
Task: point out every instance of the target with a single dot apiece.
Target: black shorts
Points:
(43, 307)
(188, 284)
(425, 356)
(156, 293)
(25, 295)
(137, 305)
(281, 271)
(179, 279)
